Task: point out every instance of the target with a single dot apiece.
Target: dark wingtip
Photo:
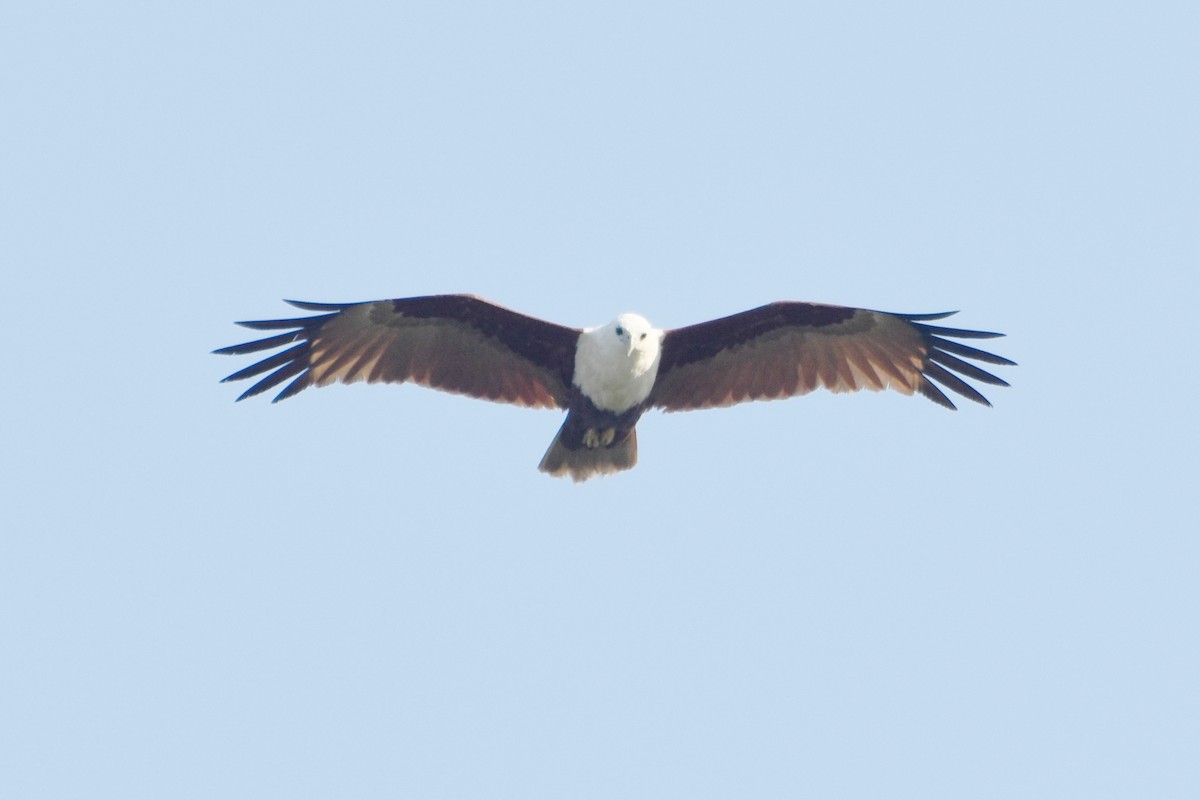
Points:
(944, 365)
(310, 306)
(291, 363)
(927, 389)
(295, 322)
(927, 317)
(957, 333)
(293, 388)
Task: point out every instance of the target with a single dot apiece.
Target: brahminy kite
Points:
(606, 377)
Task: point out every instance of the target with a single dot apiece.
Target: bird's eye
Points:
(620, 331)
(643, 336)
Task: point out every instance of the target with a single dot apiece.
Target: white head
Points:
(616, 364)
(635, 335)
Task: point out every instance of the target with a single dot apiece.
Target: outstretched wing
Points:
(458, 343)
(786, 349)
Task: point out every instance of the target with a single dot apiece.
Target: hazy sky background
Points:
(372, 592)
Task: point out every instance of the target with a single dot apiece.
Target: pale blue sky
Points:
(372, 592)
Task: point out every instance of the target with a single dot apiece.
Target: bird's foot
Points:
(593, 438)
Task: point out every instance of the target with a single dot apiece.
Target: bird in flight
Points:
(607, 377)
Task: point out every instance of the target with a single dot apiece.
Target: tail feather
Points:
(582, 462)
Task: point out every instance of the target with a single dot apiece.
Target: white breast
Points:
(612, 377)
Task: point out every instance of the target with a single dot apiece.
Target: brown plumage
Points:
(787, 349)
(457, 343)
(464, 344)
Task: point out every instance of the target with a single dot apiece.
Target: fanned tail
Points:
(581, 462)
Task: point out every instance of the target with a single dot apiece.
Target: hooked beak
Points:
(629, 351)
